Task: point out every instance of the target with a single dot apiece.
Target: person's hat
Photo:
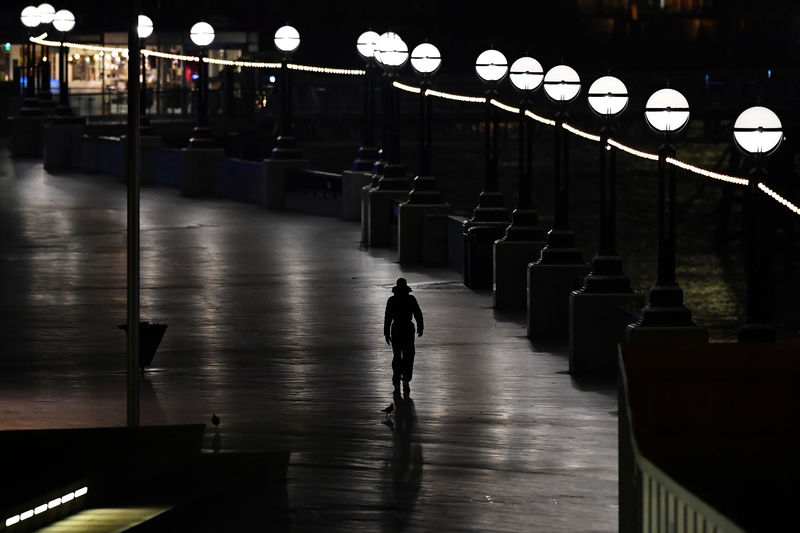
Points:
(401, 286)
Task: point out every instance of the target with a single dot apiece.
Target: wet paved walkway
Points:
(275, 325)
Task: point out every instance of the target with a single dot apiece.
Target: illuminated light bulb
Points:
(202, 34)
(81, 492)
(366, 44)
(287, 39)
(526, 74)
(491, 65)
(562, 83)
(426, 59)
(30, 17)
(27, 514)
(40, 509)
(608, 96)
(46, 13)
(63, 20)
(54, 503)
(758, 131)
(144, 26)
(667, 111)
(391, 51)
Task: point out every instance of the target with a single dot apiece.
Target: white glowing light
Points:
(391, 51)
(633, 151)
(538, 118)
(40, 509)
(758, 130)
(426, 59)
(10, 521)
(526, 74)
(68, 497)
(63, 20)
(30, 17)
(46, 13)
(580, 133)
(456, 97)
(202, 34)
(667, 111)
(366, 44)
(77, 56)
(54, 503)
(608, 96)
(327, 70)
(780, 199)
(81, 491)
(406, 88)
(27, 514)
(287, 39)
(706, 173)
(504, 107)
(144, 26)
(491, 65)
(562, 83)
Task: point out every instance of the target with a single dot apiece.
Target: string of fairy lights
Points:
(42, 40)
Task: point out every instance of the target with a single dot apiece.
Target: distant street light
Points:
(667, 113)
(202, 35)
(758, 133)
(608, 98)
(391, 53)
(144, 29)
(562, 85)
(367, 152)
(287, 40)
(30, 18)
(46, 15)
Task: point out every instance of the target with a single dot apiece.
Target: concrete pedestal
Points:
(57, 145)
(365, 190)
(26, 135)
(435, 242)
(199, 169)
(273, 180)
(597, 323)
(149, 144)
(455, 242)
(381, 202)
(549, 289)
(479, 252)
(510, 271)
(666, 334)
(353, 183)
(84, 155)
(410, 221)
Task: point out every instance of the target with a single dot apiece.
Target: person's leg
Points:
(397, 363)
(408, 364)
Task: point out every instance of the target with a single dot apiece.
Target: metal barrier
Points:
(314, 182)
(708, 437)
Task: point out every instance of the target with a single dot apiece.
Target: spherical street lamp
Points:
(667, 113)
(144, 29)
(425, 60)
(202, 35)
(63, 22)
(758, 133)
(391, 53)
(561, 85)
(46, 15)
(608, 98)
(367, 152)
(526, 75)
(490, 217)
(30, 18)
(287, 40)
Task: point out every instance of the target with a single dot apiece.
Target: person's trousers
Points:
(403, 360)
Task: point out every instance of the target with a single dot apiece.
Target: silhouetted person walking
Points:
(399, 332)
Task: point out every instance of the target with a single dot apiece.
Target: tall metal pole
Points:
(666, 217)
(133, 215)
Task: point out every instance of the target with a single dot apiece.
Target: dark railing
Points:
(314, 182)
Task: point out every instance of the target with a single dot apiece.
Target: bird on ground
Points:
(215, 420)
(388, 410)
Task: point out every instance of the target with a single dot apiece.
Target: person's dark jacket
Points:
(397, 320)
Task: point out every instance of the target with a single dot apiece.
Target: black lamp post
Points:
(491, 67)
(367, 152)
(287, 39)
(30, 18)
(425, 60)
(144, 29)
(526, 76)
(63, 21)
(562, 85)
(608, 98)
(667, 113)
(46, 14)
(202, 35)
(758, 133)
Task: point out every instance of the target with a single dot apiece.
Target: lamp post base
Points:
(424, 191)
(524, 227)
(490, 209)
(202, 138)
(666, 309)
(560, 249)
(757, 333)
(285, 148)
(365, 158)
(606, 276)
